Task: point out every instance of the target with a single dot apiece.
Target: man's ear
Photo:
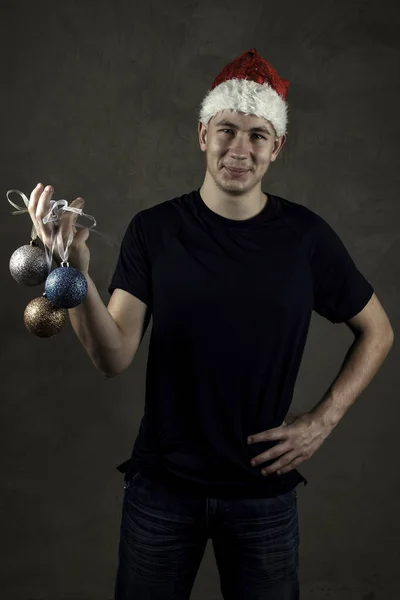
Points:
(278, 145)
(202, 132)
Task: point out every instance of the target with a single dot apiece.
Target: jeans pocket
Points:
(131, 480)
(289, 497)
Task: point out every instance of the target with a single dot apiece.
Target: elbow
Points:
(104, 371)
(110, 366)
(108, 373)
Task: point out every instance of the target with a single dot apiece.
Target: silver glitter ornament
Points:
(28, 265)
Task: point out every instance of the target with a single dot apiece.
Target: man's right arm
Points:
(110, 335)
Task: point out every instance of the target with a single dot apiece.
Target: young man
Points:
(231, 276)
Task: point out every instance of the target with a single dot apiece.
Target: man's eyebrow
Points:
(229, 124)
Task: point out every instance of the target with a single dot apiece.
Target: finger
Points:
(81, 236)
(67, 223)
(291, 466)
(32, 204)
(42, 209)
(34, 197)
(280, 464)
(69, 217)
(271, 453)
(271, 434)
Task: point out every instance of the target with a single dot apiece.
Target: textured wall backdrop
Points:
(100, 99)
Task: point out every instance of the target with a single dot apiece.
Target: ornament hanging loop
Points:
(54, 215)
(65, 263)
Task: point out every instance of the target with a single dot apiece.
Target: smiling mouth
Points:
(236, 171)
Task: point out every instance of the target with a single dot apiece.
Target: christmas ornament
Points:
(251, 85)
(28, 265)
(66, 287)
(43, 319)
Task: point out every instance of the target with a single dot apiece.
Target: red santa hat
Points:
(250, 85)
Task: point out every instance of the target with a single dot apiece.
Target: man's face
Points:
(247, 142)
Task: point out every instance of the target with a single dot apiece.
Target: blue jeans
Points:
(164, 534)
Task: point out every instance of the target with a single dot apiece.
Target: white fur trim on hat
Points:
(248, 97)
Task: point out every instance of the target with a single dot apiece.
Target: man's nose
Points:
(240, 148)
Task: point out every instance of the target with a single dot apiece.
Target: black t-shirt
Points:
(231, 303)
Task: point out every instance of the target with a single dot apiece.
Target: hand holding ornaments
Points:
(66, 286)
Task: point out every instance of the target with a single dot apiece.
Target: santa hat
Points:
(249, 84)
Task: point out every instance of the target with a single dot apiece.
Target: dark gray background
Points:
(100, 99)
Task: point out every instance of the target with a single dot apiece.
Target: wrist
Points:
(322, 419)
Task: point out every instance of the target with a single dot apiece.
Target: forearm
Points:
(98, 332)
(362, 361)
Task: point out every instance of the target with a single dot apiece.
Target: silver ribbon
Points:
(54, 216)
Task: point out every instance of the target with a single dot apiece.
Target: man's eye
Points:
(259, 135)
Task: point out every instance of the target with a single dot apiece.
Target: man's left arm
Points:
(298, 440)
(374, 339)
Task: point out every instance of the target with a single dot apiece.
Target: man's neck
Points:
(238, 208)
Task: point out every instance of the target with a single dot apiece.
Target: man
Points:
(231, 275)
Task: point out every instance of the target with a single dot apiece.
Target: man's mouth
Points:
(234, 171)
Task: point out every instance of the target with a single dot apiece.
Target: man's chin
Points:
(230, 185)
(234, 190)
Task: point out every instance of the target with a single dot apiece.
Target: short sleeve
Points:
(133, 269)
(340, 289)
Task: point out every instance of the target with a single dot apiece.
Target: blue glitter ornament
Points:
(66, 287)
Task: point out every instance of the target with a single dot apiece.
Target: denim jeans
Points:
(164, 534)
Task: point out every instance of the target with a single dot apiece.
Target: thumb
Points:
(81, 236)
(290, 418)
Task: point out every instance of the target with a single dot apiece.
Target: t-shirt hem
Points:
(266, 489)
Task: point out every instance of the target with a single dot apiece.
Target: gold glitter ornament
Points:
(28, 265)
(43, 319)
